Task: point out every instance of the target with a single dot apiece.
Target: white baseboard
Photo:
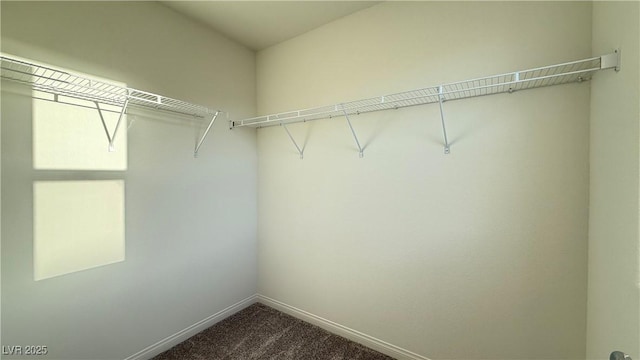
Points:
(351, 334)
(182, 335)
(354, 335)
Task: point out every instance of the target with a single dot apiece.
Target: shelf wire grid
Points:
(59, 82)
(574, 71)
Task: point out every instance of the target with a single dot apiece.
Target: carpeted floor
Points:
(261, 332)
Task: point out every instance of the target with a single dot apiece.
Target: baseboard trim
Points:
(351, 334)
(333, 327)
(182, 335)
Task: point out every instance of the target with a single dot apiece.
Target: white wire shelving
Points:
(568, 72)
(66, 84)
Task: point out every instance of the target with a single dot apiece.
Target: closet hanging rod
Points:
(567, 72)
(63, 83)
(59, 82)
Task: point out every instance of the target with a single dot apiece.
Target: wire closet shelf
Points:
(63, 83)
(574, 71)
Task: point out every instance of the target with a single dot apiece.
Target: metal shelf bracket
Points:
(353, 132)
(206, 132)
(300, 151)
(444, 128)
(611, 61)
(111, 137)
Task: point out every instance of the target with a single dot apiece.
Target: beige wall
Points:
(614, 264)
(478, 254)
(190, 223)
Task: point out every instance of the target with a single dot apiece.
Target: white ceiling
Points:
(260, 24)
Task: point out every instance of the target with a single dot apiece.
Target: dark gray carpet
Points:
(261, 332)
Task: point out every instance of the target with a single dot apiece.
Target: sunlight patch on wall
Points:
(78, 225)
(68, 137)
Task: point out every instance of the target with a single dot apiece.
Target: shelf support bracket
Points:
(611, 61)
(301, 152)
(112, 137)
(353, 132)
(444, 128)
(206, 132)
